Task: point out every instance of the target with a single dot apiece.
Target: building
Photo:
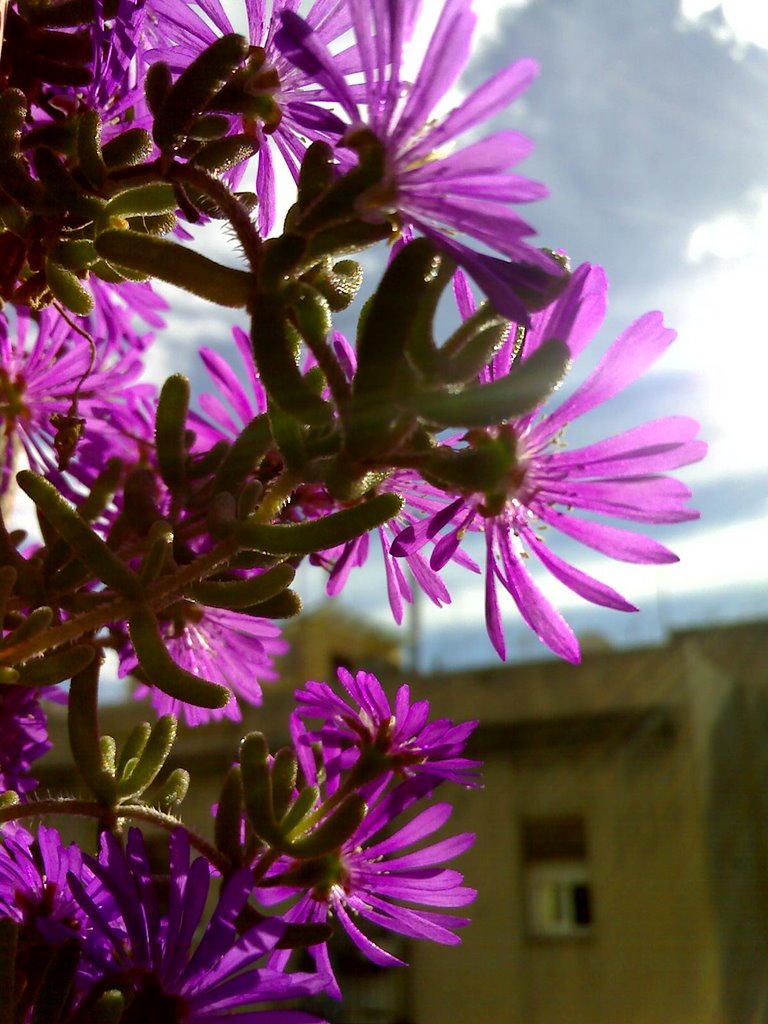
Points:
(622, 852)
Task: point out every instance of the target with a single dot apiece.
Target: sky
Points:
(650, 124)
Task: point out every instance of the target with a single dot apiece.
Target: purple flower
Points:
(23, 736)
(387, 878)
(35, 894)
(117, 89)
(160, 959)
(622, 476)
(468, 191)
(34, 890)
(368, 729)
(53, 385)
(115, 308)
(227, 647)
(234, 405)
(420, 499)
(287, 104)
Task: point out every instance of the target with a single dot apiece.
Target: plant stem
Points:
(237, 215)
(167, 590)
(136, 812)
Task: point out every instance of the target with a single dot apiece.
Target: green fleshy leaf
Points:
(229, 816)
(221, 515)
(309, 311)
(484, 316)
(195, 87)
(202, 465)
(86, 544)
(19, 184)
(84, 738)
(163, 672)
(257, 789)
(141, 200)
(343, 239)
(175, 264)
(284, 776)
(89, 148)
(400, 311)
(319, 534)
(289, 438)
(278, 369)
(66, 13)
(157, 85)
(150, 224)
(243, 593)
(106, 272)
(223, 154)
(475, 355)
(13, 112)
(209, 126)
(304, 804)
(170, 431)
(57, 666)
(280, 258)
(333, 832)
(249, 499)
(56, 135)
(140, 504)
(148, 759)
(108, 751)
(75, 254)
(171, 793)
(161, 539)
(337, 204)
(486, 405)
(317, 174)
(484, 467)
(127, 149)
(108, 1009)
(38, 620)
(133, 748)
(245, 454)
(8, 676)
(283, 606)
(68, 288)
(339, 284)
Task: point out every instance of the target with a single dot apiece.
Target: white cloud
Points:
(737, 22)
(489, 13)
(733, 235)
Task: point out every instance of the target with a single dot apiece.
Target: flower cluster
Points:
(170, 527)
(396, 757)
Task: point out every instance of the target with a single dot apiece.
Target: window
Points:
(556, 877)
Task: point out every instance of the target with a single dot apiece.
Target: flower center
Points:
(151, 1005)
(12, 406)
(508, 489)
(321, 875)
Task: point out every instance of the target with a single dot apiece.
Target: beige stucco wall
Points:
(651, 958)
